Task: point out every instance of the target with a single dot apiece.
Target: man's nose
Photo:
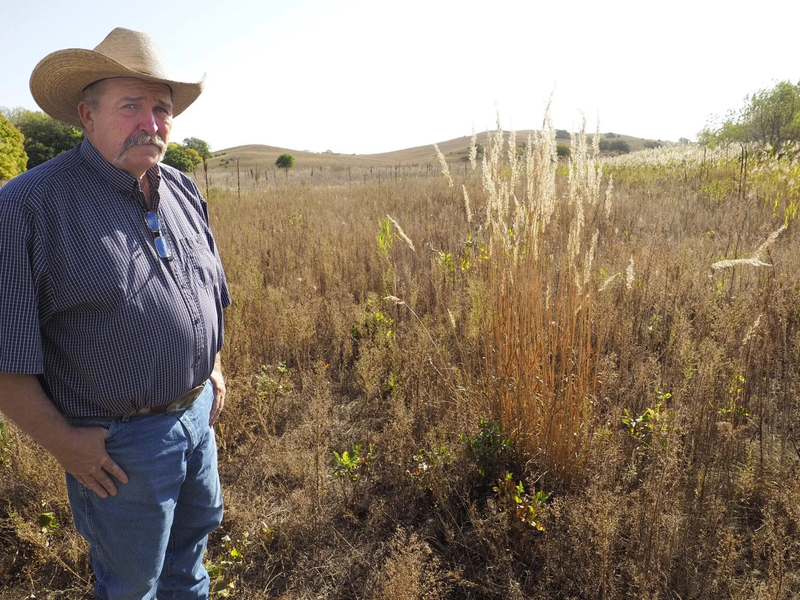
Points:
(148, 123)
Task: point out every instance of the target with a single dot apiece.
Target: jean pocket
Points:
(107, 423)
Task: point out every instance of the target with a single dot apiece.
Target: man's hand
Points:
(218, 382)
(84, 455)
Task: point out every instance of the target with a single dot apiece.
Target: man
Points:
(111, 320)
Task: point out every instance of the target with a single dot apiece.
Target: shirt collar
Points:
(117, 178)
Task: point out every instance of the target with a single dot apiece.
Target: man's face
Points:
(130, 124)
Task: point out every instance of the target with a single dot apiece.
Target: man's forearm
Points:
(218, 362)
(218, 381)
(23, 400)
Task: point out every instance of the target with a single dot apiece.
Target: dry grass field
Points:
(554, 388)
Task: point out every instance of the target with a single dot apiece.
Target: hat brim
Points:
(59, 79)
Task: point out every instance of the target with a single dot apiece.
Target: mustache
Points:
(141, 139)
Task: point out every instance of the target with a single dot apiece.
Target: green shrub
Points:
(618, 146)
(199, 146)
(45, 137)
(489, 447)
(181, 158)
(12, 151)
(770, 116)
(285, 161)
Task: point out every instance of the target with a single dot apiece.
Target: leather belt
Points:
(173, 407)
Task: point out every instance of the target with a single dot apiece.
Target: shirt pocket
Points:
(200, 261)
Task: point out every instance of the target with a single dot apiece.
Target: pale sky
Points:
(365, 76)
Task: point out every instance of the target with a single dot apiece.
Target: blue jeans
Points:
(148, 541)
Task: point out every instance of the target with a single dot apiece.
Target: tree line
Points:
(770, 116)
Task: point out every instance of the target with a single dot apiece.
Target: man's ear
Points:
(86, 114)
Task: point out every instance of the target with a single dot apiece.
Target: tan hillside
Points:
(455, 150)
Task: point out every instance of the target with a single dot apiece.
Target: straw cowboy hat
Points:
(60, 77)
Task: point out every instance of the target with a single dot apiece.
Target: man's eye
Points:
(129, 106)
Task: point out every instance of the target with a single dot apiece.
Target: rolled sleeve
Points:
(20, 335)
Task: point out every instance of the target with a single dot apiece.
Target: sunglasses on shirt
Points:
(163, 247)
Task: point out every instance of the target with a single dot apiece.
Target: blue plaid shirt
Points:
(87, 304)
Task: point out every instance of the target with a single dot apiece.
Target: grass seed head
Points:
(444, 165)
(630, 275)
(401, 234)
(473, 150)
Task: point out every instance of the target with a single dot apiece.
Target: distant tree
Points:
(684, 140)
(652, 144)
(562, 134)
(773, 116)
(199, 151)
(13, 159)
(770, 116)
(729, 131)
(13, 114)
(611, 136)
(45, 137)
(178, 157)
(201, 147)
(620, 146)
(285, 162)
(616, 146)
(193, 154)
(563, 151)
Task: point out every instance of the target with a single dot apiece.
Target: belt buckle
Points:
(184, 401)
(175, 407)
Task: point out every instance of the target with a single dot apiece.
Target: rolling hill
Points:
(455, 150)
